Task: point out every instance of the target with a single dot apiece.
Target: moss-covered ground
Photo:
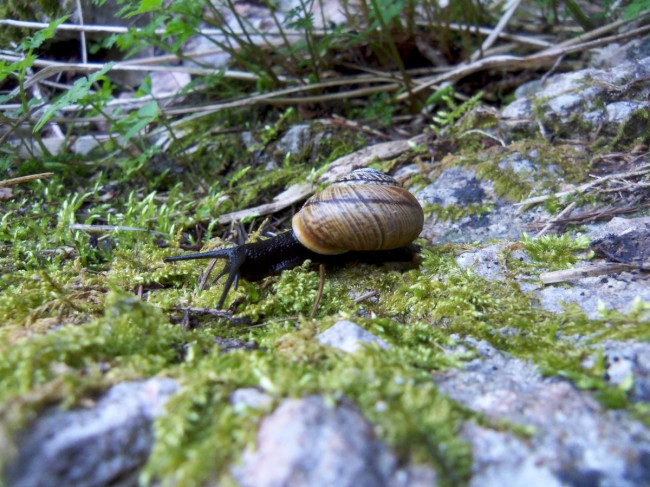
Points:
(80, 311)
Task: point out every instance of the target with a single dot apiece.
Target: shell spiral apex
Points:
(365, 210)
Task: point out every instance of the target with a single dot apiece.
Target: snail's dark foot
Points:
(409, 255)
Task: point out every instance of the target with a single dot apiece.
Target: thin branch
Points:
(111, 29)
(205, 276)
(640, 171)
(510, 8)
(564, 213)
(110, 228)
(582, 272)
(82, 33)
(511, 63)
(366, 295)
(129, 66)
(519, 39)
(290, 196)
(25, 179)
(217, 313)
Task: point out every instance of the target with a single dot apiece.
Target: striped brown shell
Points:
(365, 210)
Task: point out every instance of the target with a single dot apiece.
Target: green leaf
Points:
(79, 90)
(636, 8)
(41, 36)
(144, 116)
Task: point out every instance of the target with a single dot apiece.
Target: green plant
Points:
(635, 8)
(17, 71)
(554, 251)
(447, 117)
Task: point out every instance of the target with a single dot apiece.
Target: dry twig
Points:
(582, 272)
(509, 10)
(217, 313)
(640, 171)
(319, 294)
(110, 228)
(25, 179)
(565, 212)
(510, 63)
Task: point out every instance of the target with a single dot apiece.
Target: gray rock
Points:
(563, 105)
(305, 442)
(620, 111)
(296, 140)
(502, 221)
(102, 445)
(501, 458)
(620, 292)
(573, 441)
(612, 55)
(454, 186)
(625, 241)
(487, 262)
(588, 95)
(460, 187)
(618, 225)
(414, 476)
(519, 110)
(520, 165)
(249, 397)
(626, 362)
(406, 171)
(349, 337)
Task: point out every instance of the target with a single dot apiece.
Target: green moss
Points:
(416, 311)
(82, 311)
(553, 166)
(554, 251)
(633, 132)
(506, 182)
(399, 398)
(294, 292)
(132, 340)
(392, 387)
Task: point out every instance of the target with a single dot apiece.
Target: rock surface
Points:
(459, 188)
(487, 261)
(572, 439)
(587, 96)
(307, 442)
(102, 445)
(349, 337)
(627, 365)
(621, 291)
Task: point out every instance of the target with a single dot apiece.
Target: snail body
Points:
(365, 216)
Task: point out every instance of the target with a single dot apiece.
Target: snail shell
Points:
(365, 210)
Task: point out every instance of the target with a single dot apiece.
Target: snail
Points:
(365, 216)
